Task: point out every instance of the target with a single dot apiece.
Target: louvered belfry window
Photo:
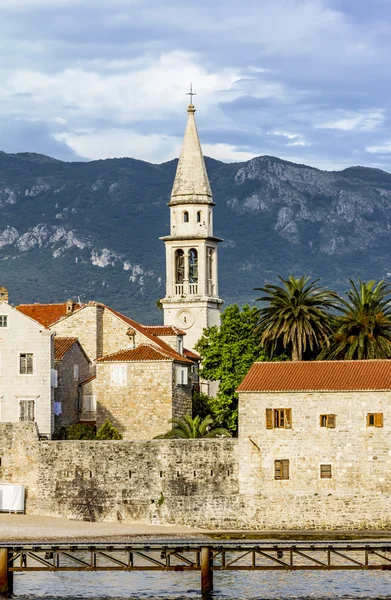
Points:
(281, 469)
(278, 418)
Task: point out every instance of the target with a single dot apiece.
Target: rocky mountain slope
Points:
(92, 229)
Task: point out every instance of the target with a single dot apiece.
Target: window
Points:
(185, 217)
(281, 469)
(182, 375)
(375, 420)
(89, 404)
(118, 375)
(325, 472)
(199, 216)
(54, 378)
(26, 410)
(180, 344)
(327, 421)
(3, 321)
(26, 364)
(76, 372)
(278, 418)
(193, 266)
(179, 266)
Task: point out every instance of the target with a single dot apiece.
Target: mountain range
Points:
(91, 229)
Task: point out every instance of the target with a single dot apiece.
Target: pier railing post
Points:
(206, 570)
(6, 576)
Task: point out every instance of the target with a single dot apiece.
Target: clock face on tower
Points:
(185, 318)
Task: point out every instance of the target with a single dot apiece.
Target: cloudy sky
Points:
(305, 80)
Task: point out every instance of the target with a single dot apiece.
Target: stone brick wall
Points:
(85, 324)
(68, 387)
(141, 408)
(181, 396)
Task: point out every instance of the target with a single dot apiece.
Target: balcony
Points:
(193, 289)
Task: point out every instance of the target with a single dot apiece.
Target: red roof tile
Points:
(141, 353)
(88, 380)
(162, 330)
(191, 354)
(62, 345)
(46, 314)
(337, 375)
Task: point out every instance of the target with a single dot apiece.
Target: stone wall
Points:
(86, 325)
(68, 387)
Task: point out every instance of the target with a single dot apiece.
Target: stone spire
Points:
(191, 185)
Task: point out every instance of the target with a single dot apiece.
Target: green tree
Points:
(363, 330)
(227, 354)
(189, 428)
(108, 432)
(80, 431)
(298, 315)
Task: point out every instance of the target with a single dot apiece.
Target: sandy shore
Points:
(17, 527)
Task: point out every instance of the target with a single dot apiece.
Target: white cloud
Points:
(226, 152)
(367, 121)
(295, 139)
(381, 149)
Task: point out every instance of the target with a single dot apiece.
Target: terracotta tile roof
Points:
(337, 375)
(62, 345)
(191, 354)
(141, 353)
(88, 380)
(163, 330)
(153, 338)
(46, 314)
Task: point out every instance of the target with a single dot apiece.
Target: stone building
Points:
(192, 299)
(72, 367)
(144, 375)
(26, 369)
(315, 428)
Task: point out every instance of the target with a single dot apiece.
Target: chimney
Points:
(69, 306)
(3, 294)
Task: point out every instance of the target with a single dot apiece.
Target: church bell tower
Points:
(192, 301)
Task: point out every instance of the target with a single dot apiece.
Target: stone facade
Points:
(87, 325)
(143, 405)
(26, 391)
(67, 392)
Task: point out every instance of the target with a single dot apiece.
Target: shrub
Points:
(80, 431)
(108, 432)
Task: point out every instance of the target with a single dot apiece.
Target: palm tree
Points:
(363, 330)
(188, 428)
(298, 316)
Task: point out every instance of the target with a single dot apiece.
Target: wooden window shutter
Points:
(325, 471)
(378, 419)
(331, 421)
(269, 418)
(277, 469)
(368, 419)
(285, 469)
(288, 418)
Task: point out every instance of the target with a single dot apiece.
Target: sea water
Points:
(248, 585)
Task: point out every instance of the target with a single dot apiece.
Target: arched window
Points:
(179, 266)
(193, 266)
(199, 216)
(185, 217)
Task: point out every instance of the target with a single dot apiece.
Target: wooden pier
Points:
(204, 556)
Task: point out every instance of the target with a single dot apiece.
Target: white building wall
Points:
(24, 335)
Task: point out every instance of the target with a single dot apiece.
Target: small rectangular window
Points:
(118, 375)
(26, 364)
(89, 404)
(76, 372)
(3, 321)
(182, 375)
(278, 418)
(375, 420)
(328, 421)
(281, 469)
(325, 472)
(26, 410)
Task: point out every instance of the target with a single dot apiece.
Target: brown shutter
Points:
(331, 421)
(288, 418)
(285, 469)
(277, 469)
(269, 418)
(378, 419)
(325, 471)
(368, 420)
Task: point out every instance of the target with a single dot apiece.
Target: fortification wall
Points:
(204, 483)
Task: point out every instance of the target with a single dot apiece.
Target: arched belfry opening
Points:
(185, 216)
(198, 216)
(179, 271)
(193, 271)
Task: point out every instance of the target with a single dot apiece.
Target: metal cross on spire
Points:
(191, 93)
